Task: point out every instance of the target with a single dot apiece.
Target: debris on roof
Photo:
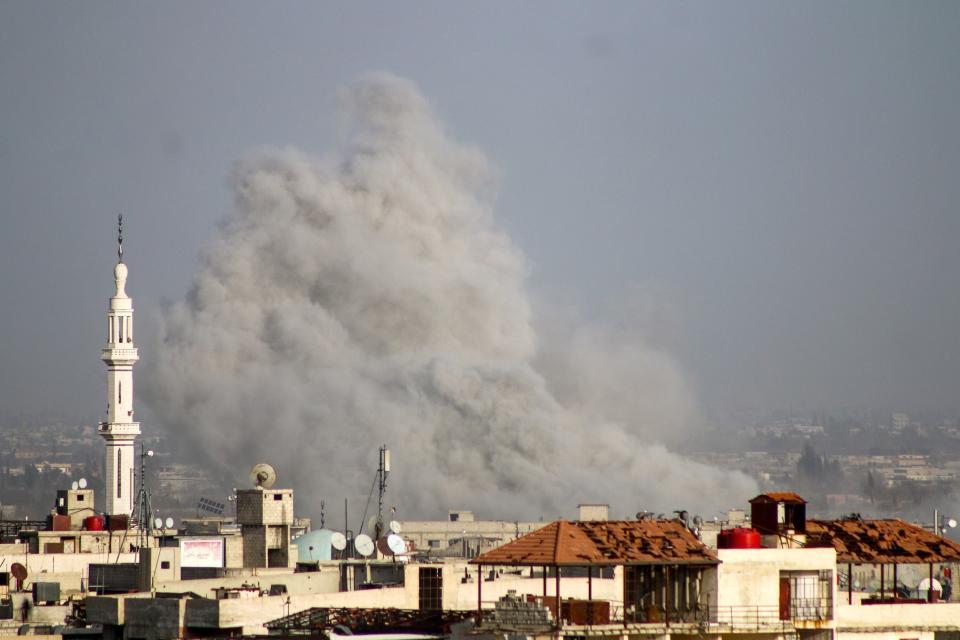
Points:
(607, 543)
(881, 542)
(788, 497)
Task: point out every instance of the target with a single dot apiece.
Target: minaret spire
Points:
(120, 237)
(119, 429)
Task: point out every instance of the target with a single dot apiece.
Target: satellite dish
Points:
(394, 527)
(74, 485)
(338, 541)
(396, 544)
(19, 571)
(169, 523)
(951, 523)
(363, 544)
(157, 523)
(392, 545)
(82, 483)
(925, 585)
(263, 475)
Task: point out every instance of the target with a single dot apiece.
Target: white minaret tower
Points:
(119, 430)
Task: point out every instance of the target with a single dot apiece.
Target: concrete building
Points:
(119, 430)
(461, 535)
(265, 517)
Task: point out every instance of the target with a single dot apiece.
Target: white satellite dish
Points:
(925, 585)
(363, 544)
(157, 523)
(338, 541)
(263, 475)
(82, 483)
(394, 527)
(169, 523)
(75, 485)
(951, 523)
(396, 544)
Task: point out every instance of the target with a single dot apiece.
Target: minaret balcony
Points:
(119, 428)
(120, 353)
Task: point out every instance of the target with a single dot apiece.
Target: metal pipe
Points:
(849, 583)
(559, 607)
(479, 593)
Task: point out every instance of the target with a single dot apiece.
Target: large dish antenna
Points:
(263, 476)
(394, 527)
(82, 483)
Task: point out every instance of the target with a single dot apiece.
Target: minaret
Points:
(119, 430)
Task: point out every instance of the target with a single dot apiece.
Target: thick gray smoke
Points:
(370, 298)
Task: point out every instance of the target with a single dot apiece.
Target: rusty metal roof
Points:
(788, 497)
(881, 542)
(603, 543)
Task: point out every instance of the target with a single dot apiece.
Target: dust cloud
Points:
(369, 297)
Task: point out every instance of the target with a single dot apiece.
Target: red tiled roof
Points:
(603, 543)
(881, 541)
(780, 496)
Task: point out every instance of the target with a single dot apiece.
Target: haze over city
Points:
(665, 216)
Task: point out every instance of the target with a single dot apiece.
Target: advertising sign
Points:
(201, 552)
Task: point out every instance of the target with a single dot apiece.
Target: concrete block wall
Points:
(265, 506)
(158, 564)
(254, 546)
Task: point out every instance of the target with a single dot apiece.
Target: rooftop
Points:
(788, 497)
(881, 542)
(603, 543)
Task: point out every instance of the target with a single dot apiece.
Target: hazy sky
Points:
(768, 189)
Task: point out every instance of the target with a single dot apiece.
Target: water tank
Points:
(739, 538)
(314, 546)
(93, 523)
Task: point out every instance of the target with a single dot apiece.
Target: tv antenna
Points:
(379, 483)
(143, 511)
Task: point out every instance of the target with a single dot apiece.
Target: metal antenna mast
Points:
(382, 472)
(143, 510)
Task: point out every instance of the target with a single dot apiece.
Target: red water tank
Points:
(93, 523)
(739, 538)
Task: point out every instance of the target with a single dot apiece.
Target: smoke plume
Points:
(370, 298)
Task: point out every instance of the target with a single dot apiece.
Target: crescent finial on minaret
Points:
(120, 237)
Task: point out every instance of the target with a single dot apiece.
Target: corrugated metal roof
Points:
(603, 543)
(780, 496)
(881, 541)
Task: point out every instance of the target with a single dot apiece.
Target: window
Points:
(431, 589)
(164, 564)
(119, 393)
(654, 593)
(278, 496)
(433, 544)
(118, 474)
(806, 595)
(80, 497)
